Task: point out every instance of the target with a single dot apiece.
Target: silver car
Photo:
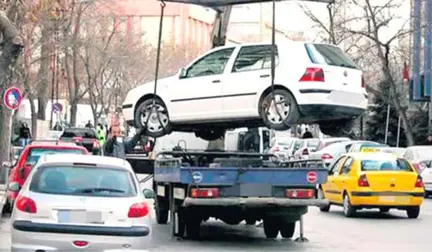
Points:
(81, 203)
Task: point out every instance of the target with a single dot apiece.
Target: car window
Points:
(285, 142)
(424, 153)
(336, 165)
(211, 64)
(254, 58)
(79, 132)
(385, 165)
(346, 168)
(312, 144)
(333, 148)
(35, 153)
(83, 181)
(298, 144)
(329, 55)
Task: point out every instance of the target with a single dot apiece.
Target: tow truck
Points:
(191, 186)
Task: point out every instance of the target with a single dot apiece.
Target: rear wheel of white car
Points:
(337, 128)
(210, 134)
(153, 118)
(279, 110)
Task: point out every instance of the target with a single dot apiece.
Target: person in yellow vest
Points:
(101, 134)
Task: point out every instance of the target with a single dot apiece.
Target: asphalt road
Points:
(330, 231)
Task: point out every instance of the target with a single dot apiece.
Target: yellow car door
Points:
(342, 181)
(329, 189)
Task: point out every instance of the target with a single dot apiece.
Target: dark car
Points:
(82, 136)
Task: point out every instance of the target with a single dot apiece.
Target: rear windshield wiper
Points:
(347, 66)
(92, 190)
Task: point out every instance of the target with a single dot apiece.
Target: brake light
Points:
(299, 193)
(205, 193)
(95, 144)
(80, 243)
(363, 84)
(313, 74)
(25, 204)
(305, 152)
(326, 156)
(419, 182)
(362, 181)
(138, 210)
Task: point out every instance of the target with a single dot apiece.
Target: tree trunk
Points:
(34, 116)
(42, 95)
(73, 113)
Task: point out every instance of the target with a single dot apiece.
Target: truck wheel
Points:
(413, 212)
(193, 227)
(271, 229)
(161, 214)
(287, 229)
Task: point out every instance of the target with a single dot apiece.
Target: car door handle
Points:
(216, 81)
(264, 75)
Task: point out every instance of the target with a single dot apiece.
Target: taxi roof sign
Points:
(372, 147)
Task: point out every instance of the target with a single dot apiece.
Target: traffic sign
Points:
(12, 98)
(311, 177)
(57, 108)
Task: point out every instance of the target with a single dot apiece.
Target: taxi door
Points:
(342, 181)
(329, 189)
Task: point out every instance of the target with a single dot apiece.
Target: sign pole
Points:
(387, 124)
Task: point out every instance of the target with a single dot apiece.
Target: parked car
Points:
(316, 83)
(420, 156)
(281, 147)
(28, 158)
(398, 152)
(81, 203)
(303, 147)
(82, 136)
(367, 146)
(331, 140)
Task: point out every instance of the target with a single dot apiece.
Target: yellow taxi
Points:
(373, 180)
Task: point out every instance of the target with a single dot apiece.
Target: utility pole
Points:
(387, 124)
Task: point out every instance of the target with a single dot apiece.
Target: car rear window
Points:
(83, 181)
(35, 153)
(425, 153)
(328, 55)
(84, 133)
(385, 165)
(313, 143)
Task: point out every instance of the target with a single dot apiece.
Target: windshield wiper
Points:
(98, 189)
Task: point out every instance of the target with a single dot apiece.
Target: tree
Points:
(376, 123)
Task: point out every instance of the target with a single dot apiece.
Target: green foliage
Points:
(419, 121)
(376, 123)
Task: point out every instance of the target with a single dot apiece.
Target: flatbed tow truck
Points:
(192, 186)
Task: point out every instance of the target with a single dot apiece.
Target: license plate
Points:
(90, 217)
(369, 150)
(395, 199)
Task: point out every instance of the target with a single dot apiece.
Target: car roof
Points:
(103, 161)
(45, 143)
(370, 155)
(334, 138)
(420, 147)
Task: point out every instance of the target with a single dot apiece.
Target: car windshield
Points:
(424, 153)
(385, 165)
(35, 153)
(83, 181)
(79, 132)
(284, 142)
(312, 143)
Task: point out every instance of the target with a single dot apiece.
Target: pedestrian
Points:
(116, 146)
(307, 134)
(89, 125)
(24, 134)
(100, 134)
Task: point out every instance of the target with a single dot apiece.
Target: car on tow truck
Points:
(314, 83)
(419, 155)
(373, 180)
(28, 158)
(81, 203)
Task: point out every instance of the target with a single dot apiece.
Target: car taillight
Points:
(138, 210)
(363, 84)
(326, 156)
(313, 74)
(419, 182)
(299, 193)
(25, 204)
(205, 193)
(80, 243)
(362, 181)
(95, 144)
(305, 152)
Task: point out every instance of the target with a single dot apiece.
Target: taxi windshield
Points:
(36, 153)
(385, 165)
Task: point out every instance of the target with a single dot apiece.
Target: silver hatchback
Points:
(81, 203)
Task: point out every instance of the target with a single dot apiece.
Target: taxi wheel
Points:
(348, 209)
(413, 212)
(271, 229)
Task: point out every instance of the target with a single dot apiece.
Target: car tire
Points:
(271, 229)
(7, 208)
(348, 209)
(287, 230)
(161, 213)
(427, 194)
(338, 128)
(250, 221)
(210, 135)
(413, 212)
(154, 127)
(320, 195)
(384, 210)
(279, 119)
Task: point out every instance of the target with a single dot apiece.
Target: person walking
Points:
(89, 125)
(117, 146)
(24, 135)
(100, 134)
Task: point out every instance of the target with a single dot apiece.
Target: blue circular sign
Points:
(12, 98)
(197, 177)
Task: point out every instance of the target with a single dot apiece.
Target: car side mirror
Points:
(182, 73)
(148, 194)
(7, 164)
(14, 187)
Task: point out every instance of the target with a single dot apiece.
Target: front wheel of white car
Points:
(154, 118)
(279, 110)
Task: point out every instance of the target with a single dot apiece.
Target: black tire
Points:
(161, 211)
(250, 222)
(348, 209)
(7, 208)
(210, 135)
(338, 128)
(427, 194)
(154, 129)
(287, 230)
(291, 116)
(413, 212)
(271, 229)
(384, 209)
(320, 195)
(193, 227)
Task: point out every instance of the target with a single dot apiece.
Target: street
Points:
(326, 231)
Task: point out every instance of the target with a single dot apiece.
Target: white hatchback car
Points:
(230, 87)
(81, 203)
